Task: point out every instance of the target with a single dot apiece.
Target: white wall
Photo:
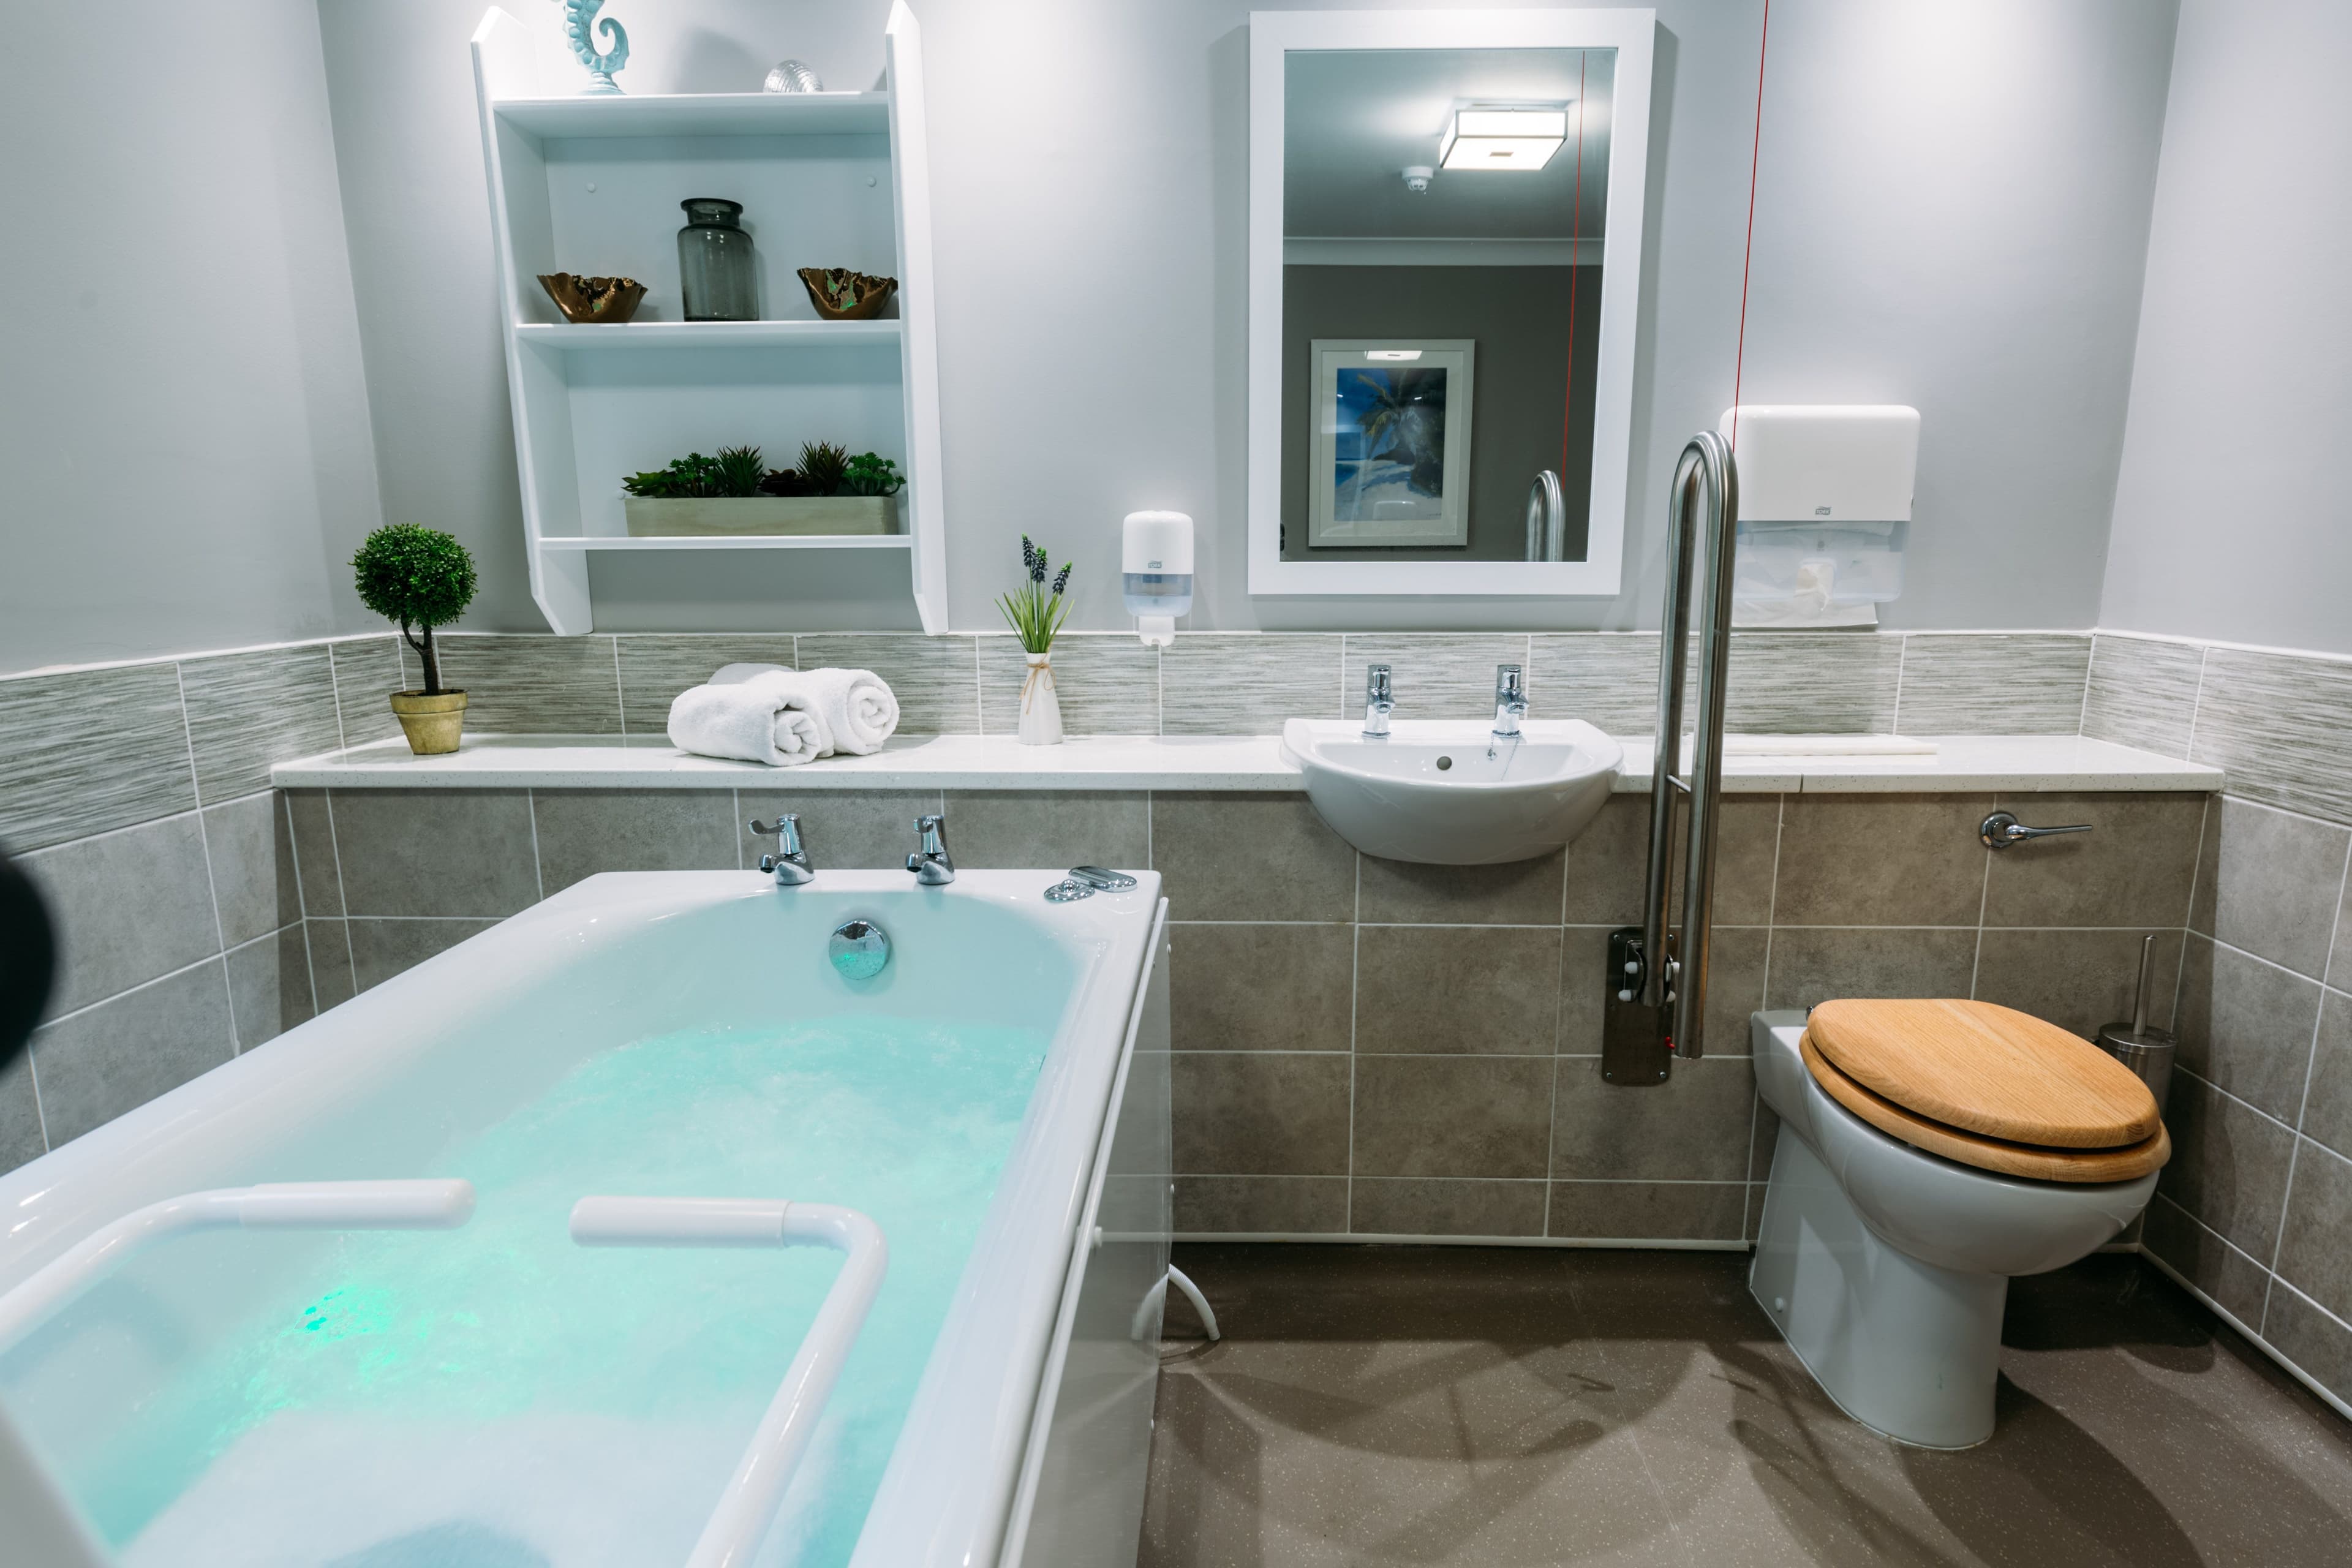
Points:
(183, 425)
(2229, 521)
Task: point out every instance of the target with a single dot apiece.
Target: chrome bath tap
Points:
(1510, 701)
(930, 863)
(791, 861)
(1378, 702)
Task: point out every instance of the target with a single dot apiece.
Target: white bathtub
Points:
(1028, 1430)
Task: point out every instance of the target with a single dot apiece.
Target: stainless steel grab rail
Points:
(1660, 1012)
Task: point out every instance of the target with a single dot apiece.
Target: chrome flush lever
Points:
(2001, 830)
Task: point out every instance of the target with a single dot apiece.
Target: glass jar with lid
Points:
(716, 273)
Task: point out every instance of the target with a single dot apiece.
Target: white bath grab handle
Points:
(748, 1504)
(278, 1205)
(1151, 1305)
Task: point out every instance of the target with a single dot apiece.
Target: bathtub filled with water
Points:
(496, 1394)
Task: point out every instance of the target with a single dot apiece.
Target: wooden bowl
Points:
(869, 293)
(606, 301)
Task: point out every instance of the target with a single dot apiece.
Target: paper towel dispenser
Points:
(1824, 510)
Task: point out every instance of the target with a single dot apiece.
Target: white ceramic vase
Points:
(1041, 710)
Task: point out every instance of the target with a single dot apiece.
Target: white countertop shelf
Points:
(700, 114)
(628, 335)
(731, 542)
(1965, 763)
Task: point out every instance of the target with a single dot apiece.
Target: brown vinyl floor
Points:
(1503, 1406)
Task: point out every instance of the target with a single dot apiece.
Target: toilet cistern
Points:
(1156, 572)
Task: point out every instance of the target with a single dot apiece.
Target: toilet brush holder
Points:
(2146, 1050)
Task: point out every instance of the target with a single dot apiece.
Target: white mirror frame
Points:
(1631, 33)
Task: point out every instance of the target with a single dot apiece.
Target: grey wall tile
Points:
(1692, 1126)
(935, 680)
(247, 711)
(2229, 1165)
(2246, 1026)
(269, 986)
(435, 852)
(657, 666)
(20, 1115)
(1605, 865)
(367, 671)
(1457, 989)
(2143, 692)
(1452, 1115)
(1609, 679)
(317, 875)
(1261, 987)
(2078, 980)
(1747, 851)
(529, 685)
(251, 847)
(1735, 987)
(2281, 727)
(1051, 828)
(1263, 1206)
(128, 907)
(1106, 684)
(1583, 962)
(1243, 856)
(1260, 1113)
(2212, 1265)
(1805, 683)
(1881, 859)
(2339, 961)
(1247, 683)
(331, 981)
(1438, 675)
(1815, 964)
(1648, 1211)
(1520, 892)
(2327, 1109)
(2269, 882)
(584, 831)
(382, 949)
(2134, 867)
(89, 751)
(2313, 1257)
(850, 829)
(1432, 1205)
(2310, 1338)
(115, 1057)
(1975, 684)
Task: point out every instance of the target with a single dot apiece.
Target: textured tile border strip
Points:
(1971, 683)
(2281, 725)
(2143, 692)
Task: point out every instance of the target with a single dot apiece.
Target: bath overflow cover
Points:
(1443, 763)
(859, 949)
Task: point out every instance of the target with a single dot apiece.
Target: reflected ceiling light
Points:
(1392, 354)
(1519, 140)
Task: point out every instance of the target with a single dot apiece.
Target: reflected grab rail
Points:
(753, 1492)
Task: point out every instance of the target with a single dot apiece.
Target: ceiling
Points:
(1355, 119)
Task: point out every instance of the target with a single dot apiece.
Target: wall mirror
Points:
(1445, 243)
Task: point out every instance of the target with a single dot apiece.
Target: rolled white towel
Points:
(765, 715)
(859, 710)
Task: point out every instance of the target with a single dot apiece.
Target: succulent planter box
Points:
(658, 518)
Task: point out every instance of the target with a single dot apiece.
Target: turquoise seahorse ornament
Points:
(579, 16)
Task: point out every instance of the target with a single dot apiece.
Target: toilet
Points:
(1927, 1152)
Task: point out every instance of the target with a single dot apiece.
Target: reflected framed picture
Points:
(1391, 456)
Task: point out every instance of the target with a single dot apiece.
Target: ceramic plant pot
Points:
(1041, 710)
(432, 724)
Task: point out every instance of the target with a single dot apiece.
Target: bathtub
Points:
(996, 1098)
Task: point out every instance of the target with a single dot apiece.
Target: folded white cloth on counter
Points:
(858, 710)
(753, 713)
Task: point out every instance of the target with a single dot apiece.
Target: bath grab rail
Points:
(1657, 989)
(748, 1504)
(277, 1206)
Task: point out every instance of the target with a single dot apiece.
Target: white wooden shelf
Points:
(701, 114)
(733, 541)
(708, 334)
(591, 183)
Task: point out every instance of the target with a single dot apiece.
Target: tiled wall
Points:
(2256, 1207)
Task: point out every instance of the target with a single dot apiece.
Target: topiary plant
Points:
(417, 576)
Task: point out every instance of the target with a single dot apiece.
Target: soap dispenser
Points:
(1156, 568)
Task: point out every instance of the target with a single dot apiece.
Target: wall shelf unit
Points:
(592, 184)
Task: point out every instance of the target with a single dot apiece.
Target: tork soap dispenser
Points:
(1156, 563)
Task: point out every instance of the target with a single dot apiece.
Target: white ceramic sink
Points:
(1446, 793)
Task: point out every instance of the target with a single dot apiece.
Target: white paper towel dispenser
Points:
(1824, 510)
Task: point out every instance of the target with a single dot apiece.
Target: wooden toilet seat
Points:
(1986, 1086)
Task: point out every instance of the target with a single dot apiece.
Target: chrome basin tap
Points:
(791, 861)
(930, 863)
(1510, 701)
(1378, 702)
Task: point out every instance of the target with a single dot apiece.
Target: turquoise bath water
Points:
(497, 1397)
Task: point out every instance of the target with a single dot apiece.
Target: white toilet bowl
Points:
(1887, 1267)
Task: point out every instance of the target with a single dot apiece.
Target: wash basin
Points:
(1447, 793)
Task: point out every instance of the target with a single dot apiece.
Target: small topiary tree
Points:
(416, 577)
